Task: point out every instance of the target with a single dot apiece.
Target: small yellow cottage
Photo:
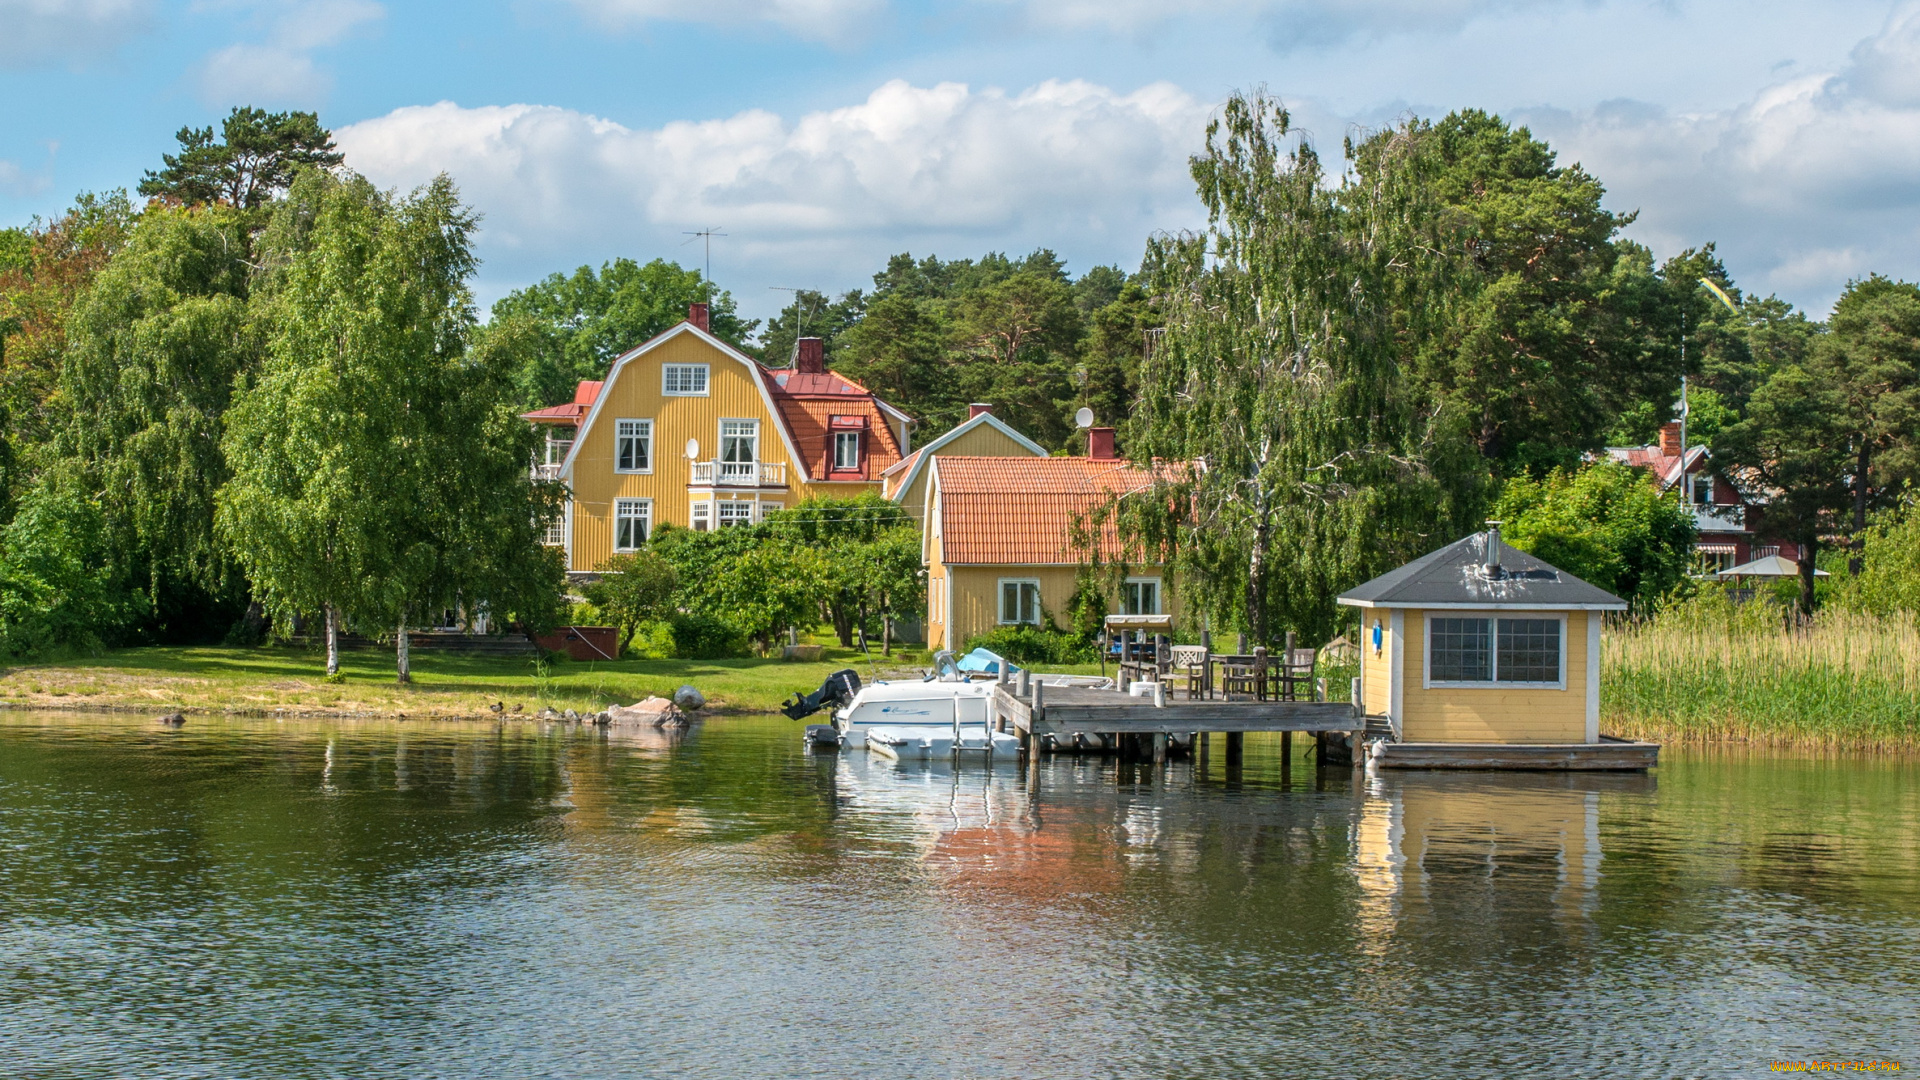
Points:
(1480, 643)
(999, 543)
(982, 434)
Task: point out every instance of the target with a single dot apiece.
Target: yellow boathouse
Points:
(1480, 644)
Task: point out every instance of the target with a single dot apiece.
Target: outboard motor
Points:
(836, 692)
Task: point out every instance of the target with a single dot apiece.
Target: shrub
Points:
(1027, 645)
(705, 637)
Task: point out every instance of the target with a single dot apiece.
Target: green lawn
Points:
(273, 678)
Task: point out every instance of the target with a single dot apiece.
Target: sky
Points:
(822, 136)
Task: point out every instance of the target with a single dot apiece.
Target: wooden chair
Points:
(1189, 666)
(1245, 674)
(1294, 679)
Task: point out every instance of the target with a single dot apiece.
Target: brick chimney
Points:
(810, 356)
(697, 315)
(1100, 444)
(979, 408)
(1670, 438)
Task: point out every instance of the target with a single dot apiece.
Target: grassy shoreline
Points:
(1851, 682)
(287, 680)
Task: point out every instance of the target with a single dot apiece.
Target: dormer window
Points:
(847, 443)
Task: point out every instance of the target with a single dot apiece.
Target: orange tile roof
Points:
(1021, 511)
(809, 402)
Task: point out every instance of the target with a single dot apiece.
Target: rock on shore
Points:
(654, 712)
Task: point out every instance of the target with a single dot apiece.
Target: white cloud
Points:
(1289, 24)
(819, 201)
(814, 20)
(282, 69)
(1812, 181)
(37, 32)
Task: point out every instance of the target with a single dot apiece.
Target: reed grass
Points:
(1711, 671)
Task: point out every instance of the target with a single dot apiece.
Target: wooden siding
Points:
(976, 597)
(983, 441)
(1497, 713)
(733, 393)
(1376, 669)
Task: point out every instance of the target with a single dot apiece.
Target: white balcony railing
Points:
(546, 472)
(1716, 517)
(739, 474)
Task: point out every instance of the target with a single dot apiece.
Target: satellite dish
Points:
(693, 449)
(1084, 418)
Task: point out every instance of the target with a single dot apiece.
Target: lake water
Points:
(252, 898)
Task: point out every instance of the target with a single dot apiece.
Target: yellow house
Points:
(981, 435)
(998, 540)
(689, 430)
(1482, 643)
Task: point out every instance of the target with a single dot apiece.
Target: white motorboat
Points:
(928, 709)
(930, 742)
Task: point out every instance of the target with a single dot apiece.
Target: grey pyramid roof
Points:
(1455, 576)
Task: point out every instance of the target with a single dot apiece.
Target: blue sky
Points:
(822, 135)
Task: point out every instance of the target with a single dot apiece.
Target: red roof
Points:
(573, 412)
(1020, 511)
(1665, 467)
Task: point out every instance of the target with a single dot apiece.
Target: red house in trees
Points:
(1731, 522)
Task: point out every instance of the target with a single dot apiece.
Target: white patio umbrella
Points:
(1771, 566)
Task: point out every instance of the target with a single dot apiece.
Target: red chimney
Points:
(978, 408)
(697, 315)
(1670, 438)
(1100, 444)
(810, 356)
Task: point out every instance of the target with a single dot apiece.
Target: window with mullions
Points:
(1460, 650)
(632, 520)
(1484, 650)
(1020, 602)
(735, 513)
(846, 451)
(633, 446)
(1529, 651)
(683, 380)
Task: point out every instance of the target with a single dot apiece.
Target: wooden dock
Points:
(1059, 713)
(1607, 755)
(1072, 717)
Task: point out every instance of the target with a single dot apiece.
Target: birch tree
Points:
(1295, 461)
(378, 469)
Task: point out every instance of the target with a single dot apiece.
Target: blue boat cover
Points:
(986, 662)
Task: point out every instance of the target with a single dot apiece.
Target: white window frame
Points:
(1000, 601)
(701, 519)
(1158, 590)
(721, 518)
(764, 507)
(639, 430)
(1493, 660)
(560, 529)
(668, 371)
(842, 438)
(632, 510)
(737, 473)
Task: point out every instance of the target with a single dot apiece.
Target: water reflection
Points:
(320, 899)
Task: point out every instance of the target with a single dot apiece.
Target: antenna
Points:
(799, 316)
(1083, 419)
(693, 449)
(707, 234)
